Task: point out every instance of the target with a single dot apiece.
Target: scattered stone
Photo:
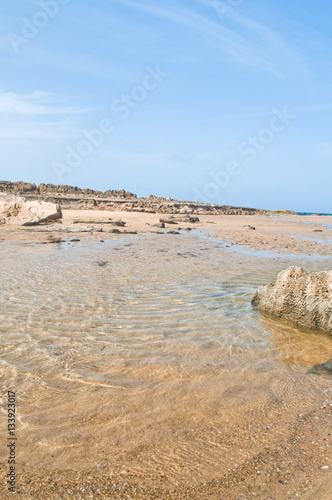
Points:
(193, 220)
(111, 222)
(317, 230)
(173, 232)
(161, 225)
(322, 369)
(114, 231)
(54, 239)
(297, 296)
(74, 240)
(173, 220)
(119, 223)
(168, 221)
(250, 227)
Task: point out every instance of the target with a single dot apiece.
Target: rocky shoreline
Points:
(74, 198)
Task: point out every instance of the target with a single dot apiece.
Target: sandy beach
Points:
(289, 234)
(141, 370)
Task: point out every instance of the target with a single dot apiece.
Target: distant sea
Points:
(311, 213)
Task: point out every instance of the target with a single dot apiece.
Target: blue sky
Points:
(224, 102)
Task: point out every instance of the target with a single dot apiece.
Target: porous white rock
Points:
(300, 297)
(17, 210)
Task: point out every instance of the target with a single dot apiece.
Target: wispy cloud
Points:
(241, 38)
(37, 103)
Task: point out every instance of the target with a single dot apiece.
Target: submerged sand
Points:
(224, 410)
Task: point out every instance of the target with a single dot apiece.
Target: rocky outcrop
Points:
(300, 297)
(19, 211)
(74, 198)
(24, 188)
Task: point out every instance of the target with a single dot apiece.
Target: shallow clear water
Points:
(162, 299)
(145, 339)
(317, 240)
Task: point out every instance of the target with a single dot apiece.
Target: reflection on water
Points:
(296, 345)
(144, 338)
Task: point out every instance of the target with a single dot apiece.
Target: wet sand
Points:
(211, 400)
(283, 234)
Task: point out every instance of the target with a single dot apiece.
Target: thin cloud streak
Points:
(33, 104)
(239, 47)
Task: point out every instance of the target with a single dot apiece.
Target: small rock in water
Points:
(101, 263)
(54, 239)
(300, 297)
(322, 369)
